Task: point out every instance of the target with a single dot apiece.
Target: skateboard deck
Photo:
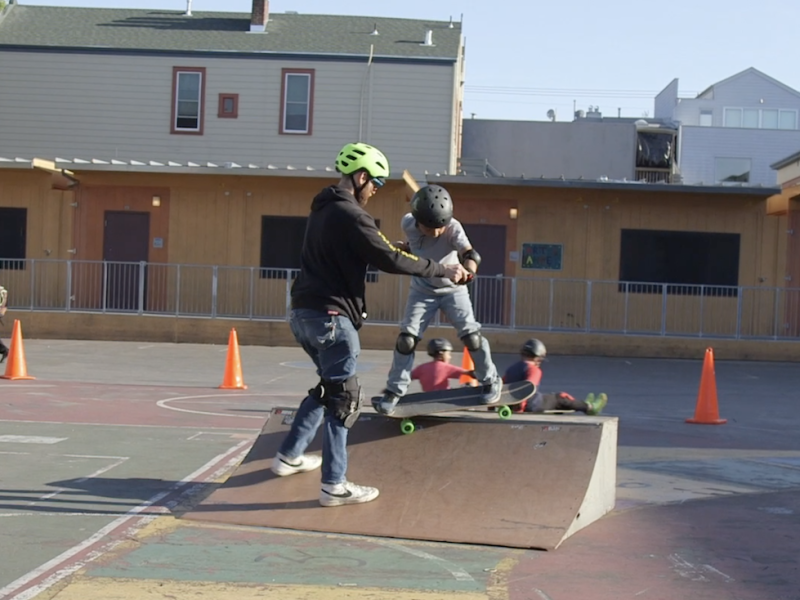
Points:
(429, 403)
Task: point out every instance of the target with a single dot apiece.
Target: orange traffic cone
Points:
(233, 379)
(16, 367)
(707, 410)
(467, 365)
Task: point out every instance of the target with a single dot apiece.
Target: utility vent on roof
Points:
(188, 12)
(375, 30)
(428, 38)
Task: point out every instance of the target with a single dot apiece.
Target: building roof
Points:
(109, 29)
(604, 184)
(747, 71)
(785, 161)
(74, 165)
(71, 166)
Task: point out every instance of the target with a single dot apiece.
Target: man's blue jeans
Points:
(332, 343)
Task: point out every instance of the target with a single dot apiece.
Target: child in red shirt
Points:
(435, 375)
(532, 355)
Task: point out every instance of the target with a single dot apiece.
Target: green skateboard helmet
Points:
(357, 156)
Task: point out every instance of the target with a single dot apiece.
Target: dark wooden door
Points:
(126, 241)
(489, 292)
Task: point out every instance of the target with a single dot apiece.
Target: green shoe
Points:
(596, 405)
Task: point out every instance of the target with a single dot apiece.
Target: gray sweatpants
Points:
(421, 308)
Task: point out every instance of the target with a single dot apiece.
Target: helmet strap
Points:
(357, 189)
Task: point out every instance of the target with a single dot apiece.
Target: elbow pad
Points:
(471, 254)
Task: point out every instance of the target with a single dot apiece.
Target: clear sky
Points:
(525, 57)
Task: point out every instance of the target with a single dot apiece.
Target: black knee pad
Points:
(406, 343)
(472, 341)
(344, 399)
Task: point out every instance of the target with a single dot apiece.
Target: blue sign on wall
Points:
(542, 256)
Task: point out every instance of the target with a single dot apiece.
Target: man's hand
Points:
(404, 246)
(457, 273)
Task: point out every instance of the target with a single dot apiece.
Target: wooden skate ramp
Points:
(528, 482)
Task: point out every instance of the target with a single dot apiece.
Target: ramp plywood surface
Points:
(466, 478)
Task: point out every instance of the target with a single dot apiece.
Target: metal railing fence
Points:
(518, 303)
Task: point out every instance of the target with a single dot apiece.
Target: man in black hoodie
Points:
(328, 309)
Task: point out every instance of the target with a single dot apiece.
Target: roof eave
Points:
(785, 161)
(604, 185)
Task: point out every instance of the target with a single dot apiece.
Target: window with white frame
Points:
(732, 170)
(732, 117)
(297, 101)
(760, 118)
(706, 118)
(188, 91)
(787, 119)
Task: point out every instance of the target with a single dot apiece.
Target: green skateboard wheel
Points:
(407, 426)
(504, 412)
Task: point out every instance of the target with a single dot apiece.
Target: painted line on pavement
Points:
(163, 404)
(159, 509)
(192, 427)
(45, 576)
(30, 439)
(457, 572)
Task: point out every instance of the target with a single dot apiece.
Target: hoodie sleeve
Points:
(376, 249)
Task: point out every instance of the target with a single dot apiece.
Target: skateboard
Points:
(428, 403)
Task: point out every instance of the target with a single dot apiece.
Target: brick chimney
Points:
(260, 16)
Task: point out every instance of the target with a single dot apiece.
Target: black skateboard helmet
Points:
(534, 348)
(432, 206)
(438, 346)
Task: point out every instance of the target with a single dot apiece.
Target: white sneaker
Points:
(338, 494)
(283, 466)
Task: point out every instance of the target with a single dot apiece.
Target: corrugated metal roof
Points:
(230, 168)
(170, 166)
(604, 183)
(224, 32)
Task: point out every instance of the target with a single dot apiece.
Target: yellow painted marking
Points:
(159, 526)
(103, 588)
(497, 587)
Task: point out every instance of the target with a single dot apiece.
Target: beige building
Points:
(218, 250)
(263, 89)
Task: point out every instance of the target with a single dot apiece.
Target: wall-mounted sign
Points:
(542, 256)
(158, 242)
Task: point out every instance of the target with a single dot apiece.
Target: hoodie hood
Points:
(329, 195)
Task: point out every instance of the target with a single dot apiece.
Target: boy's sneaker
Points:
(283, 466)
(386, 404)
(596, 405)
(339, 494)
(3, 355)
(491, 392)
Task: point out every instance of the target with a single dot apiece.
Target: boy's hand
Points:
(404, 246)
(471, 275)
(457, 273)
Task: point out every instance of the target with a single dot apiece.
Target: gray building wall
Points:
(700, 146)
(93, 105)
(750, 90)
(666, 101)
(538, 148)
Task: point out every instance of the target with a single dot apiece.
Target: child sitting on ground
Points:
(435, 375)
(532, 356)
